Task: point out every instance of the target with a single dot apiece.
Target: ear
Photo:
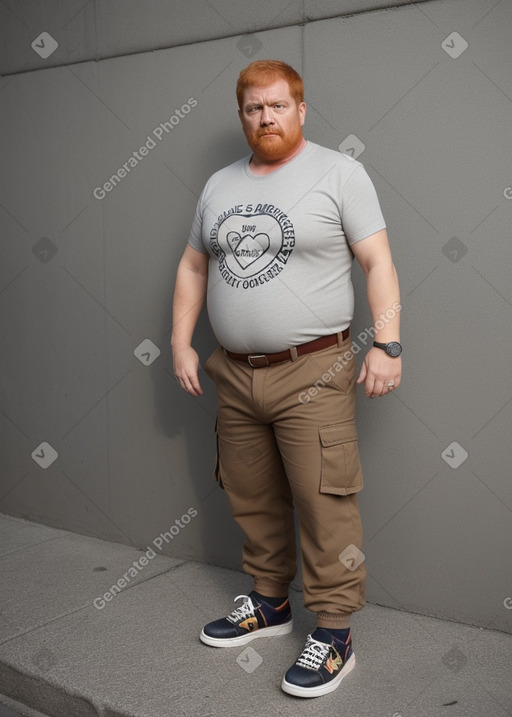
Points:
(302, 112)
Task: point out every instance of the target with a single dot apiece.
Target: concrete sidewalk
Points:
(66, 649)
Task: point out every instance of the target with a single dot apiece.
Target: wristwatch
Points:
(392, 349)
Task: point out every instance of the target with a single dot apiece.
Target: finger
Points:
(370, 386)
(195, 387)
(379, 389)
(191, 384)
(390, 385)
(362, 373)
(393, 383)
(387, 386)
(383, 386)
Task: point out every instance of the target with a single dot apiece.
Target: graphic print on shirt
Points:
(253, 242)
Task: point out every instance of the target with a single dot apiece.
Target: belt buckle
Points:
(255, 357)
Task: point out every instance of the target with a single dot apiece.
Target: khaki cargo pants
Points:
(286, 437)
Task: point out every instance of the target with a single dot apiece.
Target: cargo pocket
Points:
(216, 472)
(341, 468)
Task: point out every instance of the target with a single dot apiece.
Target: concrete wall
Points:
(86, 282)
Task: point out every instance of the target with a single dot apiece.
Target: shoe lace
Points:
(245, 610)
(313, 654)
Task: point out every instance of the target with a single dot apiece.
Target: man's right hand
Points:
(189, 295)
(185, 364)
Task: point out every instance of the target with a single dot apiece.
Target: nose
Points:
(266, 116)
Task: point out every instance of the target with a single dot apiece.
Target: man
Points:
(271, 248)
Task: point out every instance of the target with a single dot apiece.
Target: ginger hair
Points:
(263, 72)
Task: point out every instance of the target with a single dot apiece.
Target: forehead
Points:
(268, 93)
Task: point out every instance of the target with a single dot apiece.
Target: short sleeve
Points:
(361, 214)
(195, 239)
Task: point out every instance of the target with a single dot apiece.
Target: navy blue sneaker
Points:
(254, 618)
(321, 666)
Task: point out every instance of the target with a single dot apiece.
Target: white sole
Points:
(297, 691)
(273, 631)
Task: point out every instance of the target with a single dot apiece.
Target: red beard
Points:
(276, 146)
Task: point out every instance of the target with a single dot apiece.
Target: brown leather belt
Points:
(262, 360)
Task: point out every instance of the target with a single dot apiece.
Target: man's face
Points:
(272, 121)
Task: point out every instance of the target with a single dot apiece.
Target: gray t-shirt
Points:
(279, 244)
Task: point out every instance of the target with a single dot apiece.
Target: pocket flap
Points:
(338, 433)
(341, 468)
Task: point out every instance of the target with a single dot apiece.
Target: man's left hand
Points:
(380, 373)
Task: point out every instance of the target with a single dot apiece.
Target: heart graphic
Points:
(247, 249)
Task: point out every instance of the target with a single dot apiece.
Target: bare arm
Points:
(189, 295)
(374, 256)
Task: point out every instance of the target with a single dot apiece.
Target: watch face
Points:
(394, 349)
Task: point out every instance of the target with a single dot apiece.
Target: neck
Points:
(263, 165)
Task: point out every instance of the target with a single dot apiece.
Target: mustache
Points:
(277, 131)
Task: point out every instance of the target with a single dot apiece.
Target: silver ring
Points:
(391, 384)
